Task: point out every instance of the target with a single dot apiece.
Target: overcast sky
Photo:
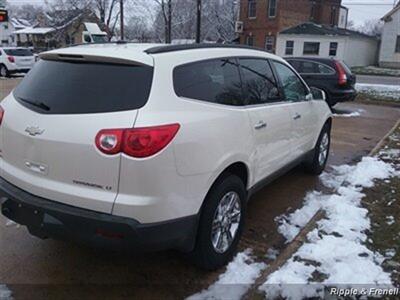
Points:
(360, 10)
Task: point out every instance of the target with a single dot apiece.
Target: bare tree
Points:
(26, 12)
(108, 12)
(371, 27)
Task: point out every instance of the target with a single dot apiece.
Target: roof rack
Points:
(120, 42)
(173, 48)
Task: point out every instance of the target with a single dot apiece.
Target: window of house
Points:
(333, 48)
(252, 9)
(333, 15)
(311, 48)
(250, 40)
(215, 81)
(272, 7)
(269, 43)
(312, 14)
(397, 50)
(259, 85)
(289, 48)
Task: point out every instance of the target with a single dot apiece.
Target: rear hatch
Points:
(23, 58)
(51, 121)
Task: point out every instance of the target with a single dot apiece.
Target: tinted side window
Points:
(216, 81)
(259, 85)
(308, 67)
(292, 86)
(295, 64)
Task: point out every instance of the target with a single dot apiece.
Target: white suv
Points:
(15, 60)
(153, 147)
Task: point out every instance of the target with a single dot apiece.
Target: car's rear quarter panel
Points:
(175, 182)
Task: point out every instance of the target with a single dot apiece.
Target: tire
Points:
(212, 250)
(4, 71)
(329, 100)
(317, 162)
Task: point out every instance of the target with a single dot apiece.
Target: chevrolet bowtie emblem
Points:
(33, 131)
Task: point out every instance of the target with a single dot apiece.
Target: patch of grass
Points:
(376, 71)
(383, 203)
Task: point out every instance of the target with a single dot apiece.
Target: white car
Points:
(15, 60)
(154, 147)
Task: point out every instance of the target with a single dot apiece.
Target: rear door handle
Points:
(297, 117)
(260, 125)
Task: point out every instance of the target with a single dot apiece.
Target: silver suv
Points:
(152, 147)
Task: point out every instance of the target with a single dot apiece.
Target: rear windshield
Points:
(18, 52)
(54, 87)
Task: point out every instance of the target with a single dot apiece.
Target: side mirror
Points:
(318, 94)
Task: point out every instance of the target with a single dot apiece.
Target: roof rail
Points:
(120, 42)
(173, 48)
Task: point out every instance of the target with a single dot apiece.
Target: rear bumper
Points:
(343, 95)
(15, 71)
(45, 218)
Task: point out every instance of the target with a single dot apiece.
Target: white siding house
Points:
(7, 29)
(314, 40)
(390, 46)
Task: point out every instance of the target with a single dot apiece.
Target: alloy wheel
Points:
(226, 222)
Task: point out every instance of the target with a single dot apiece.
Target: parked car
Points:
(154, 147)
(15, 60)
(330, 75)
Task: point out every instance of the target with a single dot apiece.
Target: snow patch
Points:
(272, 254)
(349, 115)
(5, 293)
(335, 251)
(380, 90)
(234, 283)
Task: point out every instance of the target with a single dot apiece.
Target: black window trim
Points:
(397, 44)
(281, 85)
(331, 48)
(333, 72)
(236, 58)
(304, 46)
(254, 2)
(286, 47)
(275, 9)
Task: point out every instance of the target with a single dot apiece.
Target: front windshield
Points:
(99, 38)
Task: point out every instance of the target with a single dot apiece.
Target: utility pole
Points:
(169, 39)
(198, 29)
(121, 4)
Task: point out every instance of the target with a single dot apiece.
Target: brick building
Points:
(264, 19)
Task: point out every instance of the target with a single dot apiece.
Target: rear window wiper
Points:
(40, 105)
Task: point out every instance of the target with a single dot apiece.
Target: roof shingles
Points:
(318, 29)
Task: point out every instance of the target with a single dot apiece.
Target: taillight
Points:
(341, 72)
(136, 142)
(11, 59)
(1, 114)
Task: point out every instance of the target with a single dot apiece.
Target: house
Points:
(59, 30)
(7, 29)
(316, 40)
(390, 45)
(262, 20)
